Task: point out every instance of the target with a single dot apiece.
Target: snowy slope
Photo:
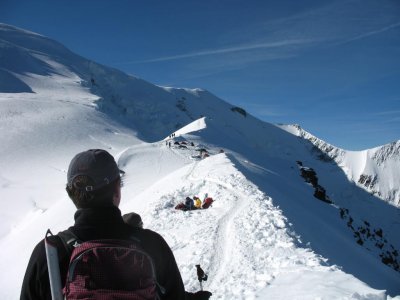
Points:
(376, 170)
(266, 235)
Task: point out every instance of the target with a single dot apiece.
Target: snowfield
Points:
(243, 241)
(266, 236)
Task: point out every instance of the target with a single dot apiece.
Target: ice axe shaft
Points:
(54, 268)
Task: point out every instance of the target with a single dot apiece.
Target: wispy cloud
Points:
(321, 26)
(232, 49)
(393, 120)
(371, 33)
(338, 21)
(366, 130)
(386, 117)
(386, 113)
(265, 110)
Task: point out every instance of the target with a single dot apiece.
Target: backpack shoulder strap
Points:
(135, 239)
(69, 240)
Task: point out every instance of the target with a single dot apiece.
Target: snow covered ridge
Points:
(377, 170)
(30, 60)
(10, 28)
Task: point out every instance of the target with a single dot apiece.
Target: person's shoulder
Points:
(39, 248)
(38, 257)
(148, 233)
(39, 251)
(151, 238)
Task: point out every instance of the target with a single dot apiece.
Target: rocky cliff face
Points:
(376, 170)
(386, 152)
(387, 161)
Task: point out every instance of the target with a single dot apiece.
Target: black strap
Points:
(69, 240)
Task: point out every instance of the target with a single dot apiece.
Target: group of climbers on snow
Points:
(195, 203)
(182, 143)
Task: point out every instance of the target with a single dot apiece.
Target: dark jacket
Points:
(103, 223)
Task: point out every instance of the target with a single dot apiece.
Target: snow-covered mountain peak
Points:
(376, 169)
(31, 41)
(327, 148)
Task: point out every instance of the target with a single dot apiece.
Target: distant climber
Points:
(189, 203)
(197, 202)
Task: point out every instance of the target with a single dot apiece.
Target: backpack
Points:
(109, 269)
(207, 202)
(181, 206)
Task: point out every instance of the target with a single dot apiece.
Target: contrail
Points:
(364, 35)
(225, 50)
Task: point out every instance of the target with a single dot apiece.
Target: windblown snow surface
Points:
(265, 237)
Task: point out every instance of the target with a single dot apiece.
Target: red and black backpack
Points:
(109, 269)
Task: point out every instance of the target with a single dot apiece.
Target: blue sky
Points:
(331, 66)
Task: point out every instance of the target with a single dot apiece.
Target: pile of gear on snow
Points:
(180, 143)
(195, 203)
